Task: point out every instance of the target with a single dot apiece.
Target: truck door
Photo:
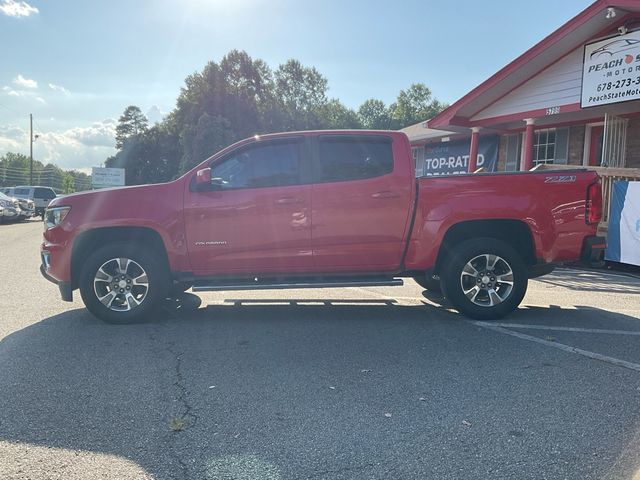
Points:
(362, 201)
(256, 218)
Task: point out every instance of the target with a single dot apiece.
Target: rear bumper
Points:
(66, 292)
(593, 249)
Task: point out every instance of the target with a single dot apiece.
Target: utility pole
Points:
(30, 149)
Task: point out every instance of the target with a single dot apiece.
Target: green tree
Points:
(52, 176)
(302, 92)
(334, 114)
(375, 115)
(413, 105)
(151, 157)
(239, 97)
(132, 122)
(68, 183)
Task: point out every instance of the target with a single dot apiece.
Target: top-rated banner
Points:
(452, 158)
(611, 71)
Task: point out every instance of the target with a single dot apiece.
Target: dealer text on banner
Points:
(611, 70)
(452, 158)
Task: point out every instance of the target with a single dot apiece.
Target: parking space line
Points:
(559, 329)
(561, 346)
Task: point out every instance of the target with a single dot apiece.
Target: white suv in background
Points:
(41, 196)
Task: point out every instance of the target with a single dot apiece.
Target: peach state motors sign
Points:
(611, 71)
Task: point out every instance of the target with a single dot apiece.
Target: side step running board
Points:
(301, 283)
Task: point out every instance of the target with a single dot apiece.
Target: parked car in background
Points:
(10, 208)
(41, 196)
(27, 208)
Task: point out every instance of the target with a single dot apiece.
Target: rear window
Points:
(44, 193)
(354, 158)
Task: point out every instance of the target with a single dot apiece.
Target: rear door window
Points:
(342, 158)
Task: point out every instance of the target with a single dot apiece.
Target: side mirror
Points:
(204, 181)
(203, 178)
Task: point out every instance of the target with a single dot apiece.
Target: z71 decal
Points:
(560, 179)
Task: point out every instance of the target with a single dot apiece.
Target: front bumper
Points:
(593, 249)
(66, 292)
(11, 213)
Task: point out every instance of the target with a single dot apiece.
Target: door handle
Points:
(288, 201)
(385, 194)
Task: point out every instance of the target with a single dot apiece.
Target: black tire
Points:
(136, 304)
(494, 298)
(429, 283)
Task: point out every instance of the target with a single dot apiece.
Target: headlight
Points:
(53, 216)
(5, 203)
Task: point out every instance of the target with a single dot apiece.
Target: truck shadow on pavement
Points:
(593, 281)
(254, 389)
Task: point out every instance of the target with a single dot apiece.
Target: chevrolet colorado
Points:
(319, 209)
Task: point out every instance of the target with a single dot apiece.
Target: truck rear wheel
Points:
(485, 278)
(120, 283)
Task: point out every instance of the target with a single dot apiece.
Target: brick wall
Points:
(576, 144)
(633, 143)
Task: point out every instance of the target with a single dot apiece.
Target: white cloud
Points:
(99, 134)
(26, 94)
(77, 148)
(12, 138)
(25, 82)
(12, 8)
(59, 88)
(10, 91)
(155, 115)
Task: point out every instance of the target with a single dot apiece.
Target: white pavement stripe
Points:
(559, 329)
(563, 347)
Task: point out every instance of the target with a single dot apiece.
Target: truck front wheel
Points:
(120, 283)
(485, 278)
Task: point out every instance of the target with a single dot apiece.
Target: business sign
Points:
(623, 236)
(611, 71)
(107, 177)
(452, 158)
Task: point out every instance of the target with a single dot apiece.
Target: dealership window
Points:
(418, 160)
(550, 145)
(514, 151)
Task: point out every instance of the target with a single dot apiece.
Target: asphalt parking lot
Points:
(368, 383)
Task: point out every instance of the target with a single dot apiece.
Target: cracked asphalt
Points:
(372, 383)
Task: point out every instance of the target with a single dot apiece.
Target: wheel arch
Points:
(90, 240)
(515, 233)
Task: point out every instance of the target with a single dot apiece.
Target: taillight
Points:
(594, 203)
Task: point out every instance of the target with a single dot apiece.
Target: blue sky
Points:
(77, 64)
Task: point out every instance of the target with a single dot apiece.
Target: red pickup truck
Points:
(319, 209)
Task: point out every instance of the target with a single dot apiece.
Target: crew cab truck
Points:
(319, 209)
